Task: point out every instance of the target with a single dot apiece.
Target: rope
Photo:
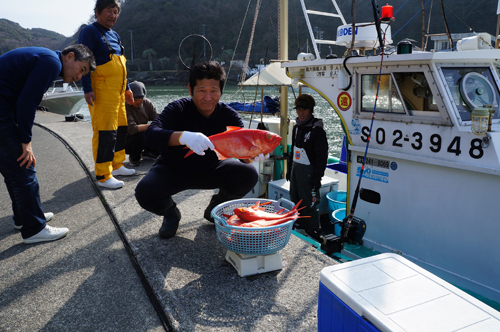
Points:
(237, 41)
(470, 29)
(247, 58)
(408, 20)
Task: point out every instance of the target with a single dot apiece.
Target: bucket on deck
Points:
(336, 200)
(338, 216)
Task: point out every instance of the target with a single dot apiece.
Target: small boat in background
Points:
(270, 106)
(61, 98)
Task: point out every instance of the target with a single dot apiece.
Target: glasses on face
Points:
(142, 98)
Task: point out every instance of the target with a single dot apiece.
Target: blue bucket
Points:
(338, 215)
(336, 200)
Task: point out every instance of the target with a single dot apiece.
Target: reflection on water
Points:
(162, 95)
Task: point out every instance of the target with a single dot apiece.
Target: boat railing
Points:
(315, 40)
(65, 87)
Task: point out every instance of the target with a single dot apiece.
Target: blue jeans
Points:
(22, 183)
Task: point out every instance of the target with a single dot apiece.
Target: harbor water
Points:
(162, 95)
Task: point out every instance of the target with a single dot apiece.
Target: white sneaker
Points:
(47, 234)
(123, 171)
(111, 183)
(48, 217)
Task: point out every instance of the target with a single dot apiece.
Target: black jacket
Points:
(312, 138)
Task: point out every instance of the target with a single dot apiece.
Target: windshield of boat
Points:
(472, 87)
(403, 95)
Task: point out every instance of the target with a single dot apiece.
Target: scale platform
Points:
(247, 265)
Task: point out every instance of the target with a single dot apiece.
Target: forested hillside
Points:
(12, 36)
(158, 26)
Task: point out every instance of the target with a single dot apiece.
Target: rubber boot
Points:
(221, 197)
(170, 224)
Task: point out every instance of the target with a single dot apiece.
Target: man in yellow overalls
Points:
(105, 92)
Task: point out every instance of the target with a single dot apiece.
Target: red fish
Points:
(242, 143)
(273, 222)
(252, 214)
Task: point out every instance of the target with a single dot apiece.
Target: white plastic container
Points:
(281, 189)
(389, 293)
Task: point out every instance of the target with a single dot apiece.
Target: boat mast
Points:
(283, 56)
(423, 24)
(450, 41)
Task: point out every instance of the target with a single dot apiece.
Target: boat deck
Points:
(113, 273)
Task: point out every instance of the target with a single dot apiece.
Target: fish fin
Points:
(219, 155)
(231, 128)
(190, 152)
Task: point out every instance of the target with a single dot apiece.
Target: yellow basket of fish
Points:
(266, 231)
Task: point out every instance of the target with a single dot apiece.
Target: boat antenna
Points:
(348, 219)
(377, 24)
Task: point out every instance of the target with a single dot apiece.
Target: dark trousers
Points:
(155, 189)
(22, 183)
(135, 146)
(301, 188)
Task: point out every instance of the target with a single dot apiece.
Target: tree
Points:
(149, 54)
(163, 62)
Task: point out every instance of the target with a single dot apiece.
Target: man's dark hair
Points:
(100, 5)
(207, 70)
(81, 52)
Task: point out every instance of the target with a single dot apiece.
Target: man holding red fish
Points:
(188, 122)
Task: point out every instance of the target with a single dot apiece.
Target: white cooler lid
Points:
(395, 294)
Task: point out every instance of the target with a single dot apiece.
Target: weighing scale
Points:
(247, 265)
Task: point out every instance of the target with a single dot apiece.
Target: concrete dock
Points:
(113, 272)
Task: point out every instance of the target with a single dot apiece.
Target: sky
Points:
(64, 17)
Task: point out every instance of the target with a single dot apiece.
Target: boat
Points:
(269, 105)
(426, 141)
(62, 98)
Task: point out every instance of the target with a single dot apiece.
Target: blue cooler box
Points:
(389, 293)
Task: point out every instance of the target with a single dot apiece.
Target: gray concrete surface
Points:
(87, 282)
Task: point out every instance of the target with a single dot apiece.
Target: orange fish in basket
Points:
(252, 214)
(242, 143)
(271, 222)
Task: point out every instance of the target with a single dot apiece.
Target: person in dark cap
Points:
(307, 163)
(139, 113)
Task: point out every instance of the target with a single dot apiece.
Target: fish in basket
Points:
(262, 238)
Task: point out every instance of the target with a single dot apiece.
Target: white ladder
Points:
(308, 12)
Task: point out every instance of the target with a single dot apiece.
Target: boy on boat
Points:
(25, 75)
(139, 113)
(307, 163)
(186, 123)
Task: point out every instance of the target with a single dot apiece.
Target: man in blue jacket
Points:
(25, 75)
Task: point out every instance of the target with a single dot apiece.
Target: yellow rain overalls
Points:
(108, 116)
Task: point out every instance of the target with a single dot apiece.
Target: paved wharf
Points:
(113, 273)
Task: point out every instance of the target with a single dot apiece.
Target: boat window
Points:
(406, 94)
(472, 87)
(416, 93)
(388, 97)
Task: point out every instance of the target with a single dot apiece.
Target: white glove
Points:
(261, 157)
(196, 142)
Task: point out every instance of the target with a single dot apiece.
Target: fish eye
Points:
(269, 136)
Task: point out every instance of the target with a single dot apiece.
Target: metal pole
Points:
(131, 46)
(283, 55)
(498, 28)
(423, 24)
